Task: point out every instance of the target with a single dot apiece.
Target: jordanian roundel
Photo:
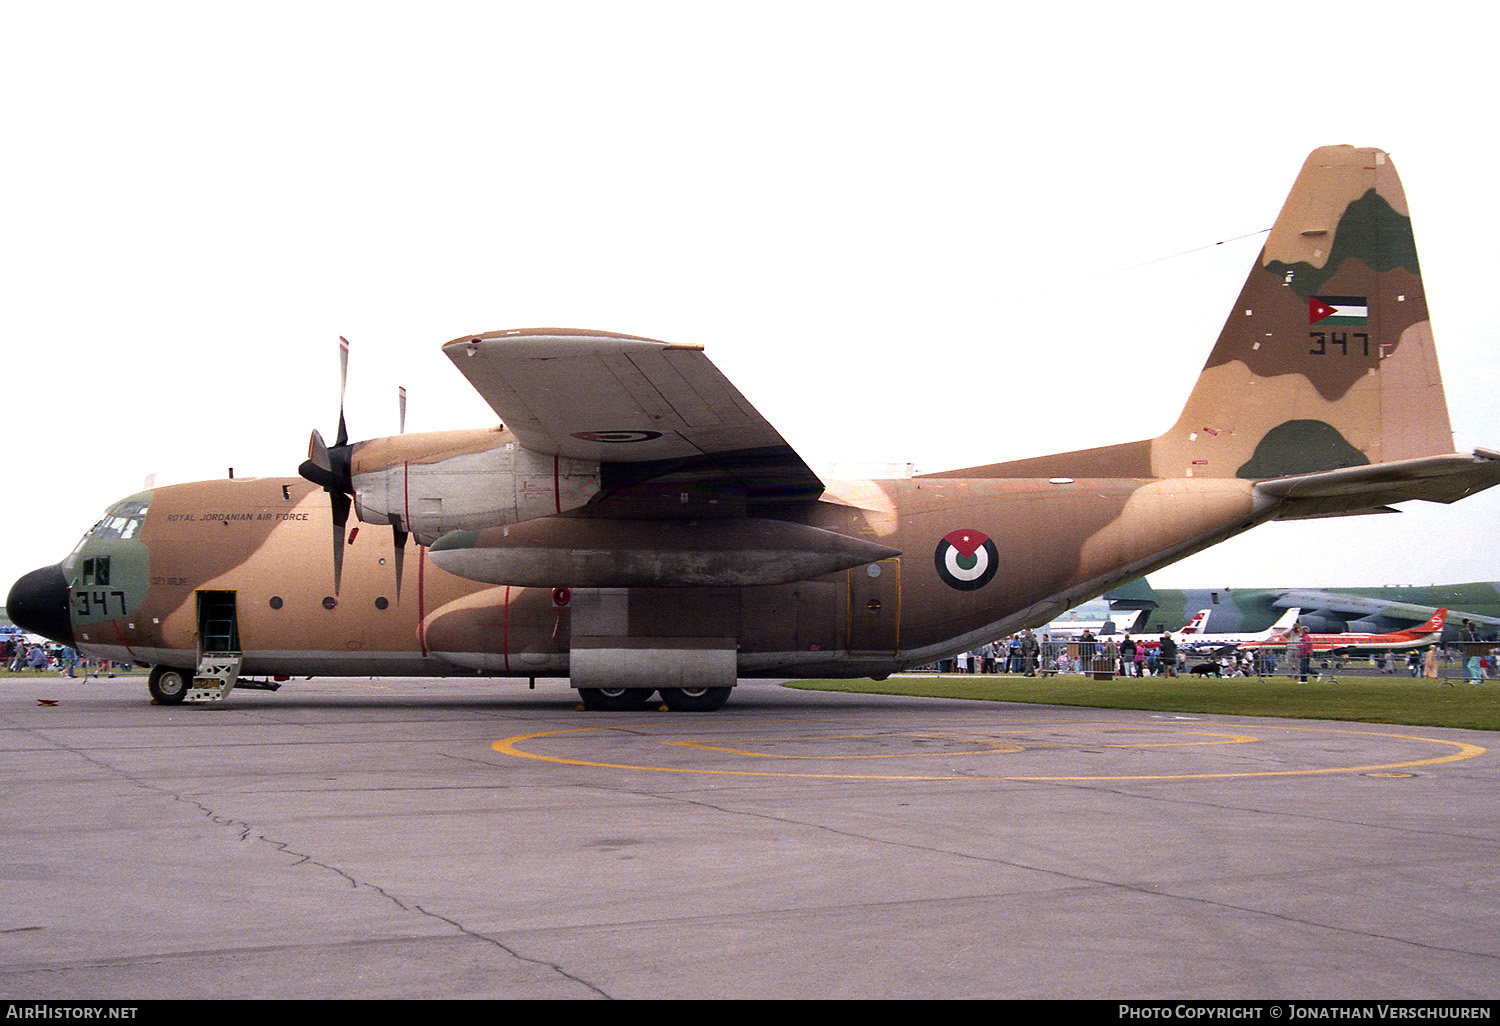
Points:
(966, 559)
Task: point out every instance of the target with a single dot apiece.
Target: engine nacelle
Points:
(431, 484)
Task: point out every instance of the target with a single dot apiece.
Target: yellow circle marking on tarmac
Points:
(988, 745)
(511, 746)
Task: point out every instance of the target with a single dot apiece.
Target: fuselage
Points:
(1399, 641)
(1243, 640)
(977, 559)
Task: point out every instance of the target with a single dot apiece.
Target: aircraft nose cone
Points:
(38, 604)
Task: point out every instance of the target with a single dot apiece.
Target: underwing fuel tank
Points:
(581, 552)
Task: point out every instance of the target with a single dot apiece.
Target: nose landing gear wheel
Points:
(615, 699)
(694, 699)
(168, 686)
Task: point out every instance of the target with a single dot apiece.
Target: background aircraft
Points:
(1415, 637)
(1194, 627)
(1106, 626)
(634, 523)
(1204, 638)
(1326, 610)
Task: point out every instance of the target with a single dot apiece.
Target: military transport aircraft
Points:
(1412, 637)
(635, 525)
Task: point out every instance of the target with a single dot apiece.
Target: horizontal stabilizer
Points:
(1370, 488)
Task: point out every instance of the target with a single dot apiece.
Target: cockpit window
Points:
(123, 519)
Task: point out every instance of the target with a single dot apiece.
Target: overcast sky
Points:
(938, 233)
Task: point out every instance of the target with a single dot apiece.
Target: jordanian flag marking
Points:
(1347, 310)
(966, 559)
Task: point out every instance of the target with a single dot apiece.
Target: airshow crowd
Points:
(1126, 656)
(1029, 654)
(19, 654)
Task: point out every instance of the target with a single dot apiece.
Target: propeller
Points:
(329, 468)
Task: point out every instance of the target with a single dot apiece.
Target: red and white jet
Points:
(1411, 637)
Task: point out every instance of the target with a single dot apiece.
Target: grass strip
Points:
(1401, 700)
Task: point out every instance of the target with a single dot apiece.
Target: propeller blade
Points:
(401, 393)
(343, 438)
(399, 538)
(341, 504)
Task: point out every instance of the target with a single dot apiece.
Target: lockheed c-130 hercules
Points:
(635, 525)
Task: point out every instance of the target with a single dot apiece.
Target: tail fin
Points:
(1198, 624)
(1327, 359)
(1288, 620)
(1434, 623)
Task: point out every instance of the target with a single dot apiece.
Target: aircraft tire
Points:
(695, 699)
(615, 699)
(168, 685)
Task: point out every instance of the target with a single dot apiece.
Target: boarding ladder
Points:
(216, 676)
(219, 654)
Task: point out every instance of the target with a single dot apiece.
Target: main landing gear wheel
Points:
(695, 699)
(615, 699)
(168, 686)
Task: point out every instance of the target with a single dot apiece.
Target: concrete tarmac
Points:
(473, 839)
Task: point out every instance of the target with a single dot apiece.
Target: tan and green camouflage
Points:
(1291, 388)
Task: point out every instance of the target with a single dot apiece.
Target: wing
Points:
(657, 417)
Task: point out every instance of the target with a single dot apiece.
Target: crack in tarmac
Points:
(246, 832)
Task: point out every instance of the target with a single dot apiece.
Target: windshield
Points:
(123, 519)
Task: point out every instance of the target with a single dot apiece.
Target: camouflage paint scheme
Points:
(1283, 395)
(634, 523)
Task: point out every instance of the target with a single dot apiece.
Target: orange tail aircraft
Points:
(1411, 637)
(635, 525)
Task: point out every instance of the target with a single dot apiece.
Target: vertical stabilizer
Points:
(1198, 624)
(1287, 621)
(1434, 623)
(1327, 359)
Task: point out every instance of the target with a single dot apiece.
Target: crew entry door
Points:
(218, 624)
